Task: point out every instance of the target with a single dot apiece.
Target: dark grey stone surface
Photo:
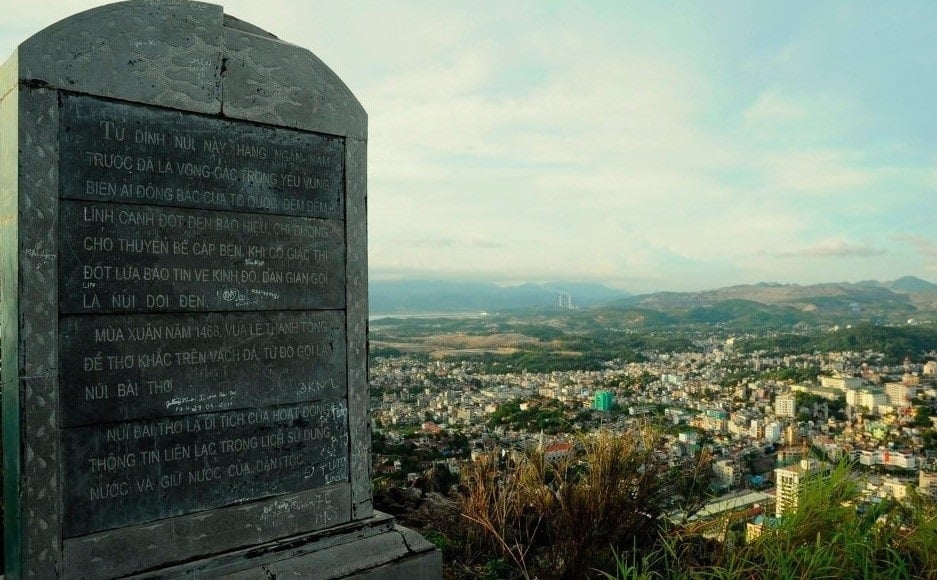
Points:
(357, 291)
(32, 468)
(270, 81)
(421, 566)
(166, 545)
(143, 258)
(129, 153)
(396, 553)
(126, 473)
(119, 368)
(250, 560)
(165, 53)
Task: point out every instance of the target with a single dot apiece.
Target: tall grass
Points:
(832, 534)
(569, 519)
(606, 509)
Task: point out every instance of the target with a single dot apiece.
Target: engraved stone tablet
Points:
(133, 258)
(127, 153)
(118, 368)
(170, 408)
(184, 284)
(135, 472)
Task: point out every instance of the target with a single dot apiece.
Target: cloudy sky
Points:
(648, 146)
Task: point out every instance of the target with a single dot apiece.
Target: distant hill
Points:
(748, 306)
(424, 296)
(910, 284)
(740, 315)
(784, 305)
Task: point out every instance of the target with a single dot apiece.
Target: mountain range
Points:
(906, 297)
(905, 294)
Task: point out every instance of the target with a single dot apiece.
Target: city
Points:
(765, 421)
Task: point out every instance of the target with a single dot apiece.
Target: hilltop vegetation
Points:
(549, 340)
(607, 511)
(567, 518)
(895, 342)
(864, 300)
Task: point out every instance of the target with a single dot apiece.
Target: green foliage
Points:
(737, 376)
(438, 539)
(534, 361)
(545, 416)
(745, 315)
(832, 534)
(836, 407)
(387, 352)
(797, 375)
(895, 342)
(930, 439)
(778, 344)
(922, 416)
(738, 315)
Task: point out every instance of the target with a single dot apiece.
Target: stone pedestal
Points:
(375, 548)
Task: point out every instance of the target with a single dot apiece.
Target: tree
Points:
(922, 417)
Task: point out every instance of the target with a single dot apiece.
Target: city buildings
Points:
(603, 401)
(785, 405)
(789, 483)
(751, 425)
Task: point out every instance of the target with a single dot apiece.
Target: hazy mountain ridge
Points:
(787, 304)
(420, 296)
(911, 284)
(747, 305)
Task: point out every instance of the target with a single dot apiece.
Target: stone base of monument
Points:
(376, 548)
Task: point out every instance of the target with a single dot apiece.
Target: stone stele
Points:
(184, 306)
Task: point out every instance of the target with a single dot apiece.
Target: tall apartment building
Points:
(911, 379)
(865, 397)
(930, 368)
(789, 482)
(785, 405)
(603, 401)
(900, 394)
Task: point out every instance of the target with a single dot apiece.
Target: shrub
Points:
(832, 534)
(569, 519)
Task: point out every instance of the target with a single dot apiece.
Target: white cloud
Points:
(925, 247)
(817, 172)
(834, 248)
(513, 140)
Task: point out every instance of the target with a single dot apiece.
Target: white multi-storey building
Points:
(865, 397)
(841, 383)
(930, 368)
(773, 432)
(727, 472)
(789, 481)
(785, 405)
(900, 394)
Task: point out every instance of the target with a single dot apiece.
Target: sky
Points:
(644, 145)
